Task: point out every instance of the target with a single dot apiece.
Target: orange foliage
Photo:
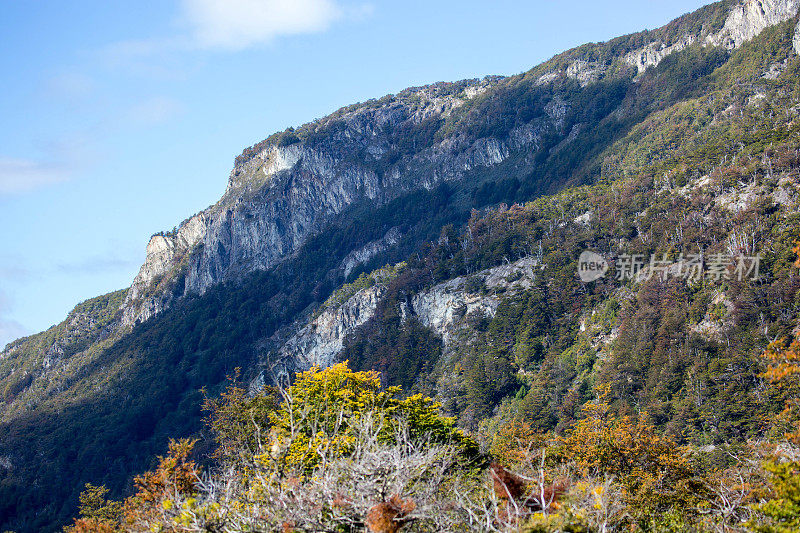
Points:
(651, 467)
(507, 486)
(389, 516)
(514, 442)
(175, 474)
(784, 364)
(91, 525)
(783, 360)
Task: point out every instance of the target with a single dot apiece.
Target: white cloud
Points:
(227, 25)
(238, 24)
(23, 175)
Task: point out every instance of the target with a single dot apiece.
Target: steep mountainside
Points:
(382, 234)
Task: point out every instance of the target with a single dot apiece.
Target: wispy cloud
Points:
(97, 265)
(231, 25)
(70, 86)
(238, 24)
(122, 51)
(10, 329)
(154, 110)
(16, 270)
(158, 58)
(19, 176)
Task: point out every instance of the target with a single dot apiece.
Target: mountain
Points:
(382, 234)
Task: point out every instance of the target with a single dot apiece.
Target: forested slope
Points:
(597, 149)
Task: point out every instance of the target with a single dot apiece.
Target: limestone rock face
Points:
(442, 307)
(584, 71)
(282, 192)
(652, 54)
(750, 18)
(796, 39)
(746, 20)
(274, 203)
(319, 342)
(163, 252)
(370, 250)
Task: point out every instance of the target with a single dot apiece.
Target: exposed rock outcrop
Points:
(163, 252)
(278, 195)
(652, 54)
(443, 306)
(370, 250)
(796, 39)
(750, 18)
(745, 20)
(585, 72)
(319, 342)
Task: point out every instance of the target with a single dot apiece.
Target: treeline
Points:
(337, 452)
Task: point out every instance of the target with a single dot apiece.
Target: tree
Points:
(783, 359)
(315, 422)
(339, 454)
(175, 477)
(240, 422)
(652, 469)
(96, 512)
(781, 513)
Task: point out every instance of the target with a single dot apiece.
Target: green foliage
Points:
(782, 512)
(561, 522)
(94, 505)
(323, 408)
(76, 337)
(239, 421)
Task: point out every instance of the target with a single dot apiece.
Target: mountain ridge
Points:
(281, 153)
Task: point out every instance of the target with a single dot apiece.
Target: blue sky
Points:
(122, 119)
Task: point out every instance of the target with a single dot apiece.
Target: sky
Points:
(121, 119)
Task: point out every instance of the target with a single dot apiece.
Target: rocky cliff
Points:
(748, 19)
(278, 195)
(320, 340)
(286, 188)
